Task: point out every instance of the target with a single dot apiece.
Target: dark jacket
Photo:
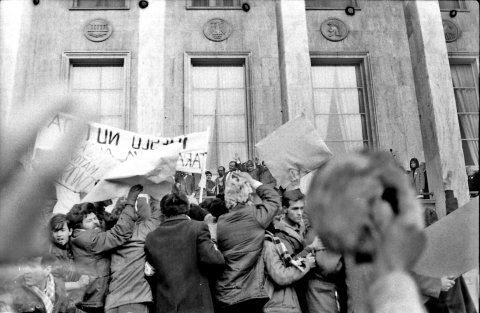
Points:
(128, 284)
(90, 249)
(240, 236)
(181, 253)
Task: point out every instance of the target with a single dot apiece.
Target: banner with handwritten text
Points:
(104, 147)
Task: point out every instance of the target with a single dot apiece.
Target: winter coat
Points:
(283, 298)
(182, 253)
(90, 247)
(240, 237)
(128, 284)
(417, 180)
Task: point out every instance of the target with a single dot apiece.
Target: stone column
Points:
(150, 86)
(294, 59)
(15, 42)
(436, 102)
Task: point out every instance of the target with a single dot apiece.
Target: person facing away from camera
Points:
(182, 255)
(240, 237)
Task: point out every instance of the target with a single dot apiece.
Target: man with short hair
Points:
(60, 247)
(90, 246)
(181, 253)
(209, 184)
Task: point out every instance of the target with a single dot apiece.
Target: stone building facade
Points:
(380, 76)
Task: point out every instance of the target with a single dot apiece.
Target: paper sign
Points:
(293, 150)
(104, 147)
(452, 244)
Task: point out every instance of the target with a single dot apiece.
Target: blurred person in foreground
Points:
(36, 289)
(362, 205)
(240, 237)
(91, 246)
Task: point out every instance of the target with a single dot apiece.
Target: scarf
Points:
(283, 252)
(48, 295)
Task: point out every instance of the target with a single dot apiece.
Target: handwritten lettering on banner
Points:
(104, 147)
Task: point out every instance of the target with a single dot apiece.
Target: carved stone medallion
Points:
(450, 30)
(98, 30)
(217, 29)
(334, 29)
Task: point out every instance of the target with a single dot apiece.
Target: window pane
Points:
(101, 89)
(466, 99)
(218, 100)
(468, 125)
(470, 151)
(200, 3)
(342, 4)
(449, 4)
(339, 107)
(332, 101)
(100, 3)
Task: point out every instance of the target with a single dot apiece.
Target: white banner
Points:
(292, 151)
(105, 147)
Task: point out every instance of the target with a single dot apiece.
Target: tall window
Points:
(466, 97)
(447, 5)
(214, 3)
(218, 101)
(330, 4)
(101, 87)
(339, 103)
(99, 4)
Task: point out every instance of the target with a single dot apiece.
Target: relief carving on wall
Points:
(450, 30)
(334, 29)
(98, 30)
(217, 29)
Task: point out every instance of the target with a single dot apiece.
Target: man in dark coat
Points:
(181, 253)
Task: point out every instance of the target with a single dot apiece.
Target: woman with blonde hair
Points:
(240, 237)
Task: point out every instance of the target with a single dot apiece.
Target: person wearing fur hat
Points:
(240, 237)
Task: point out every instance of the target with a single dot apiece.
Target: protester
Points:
(37, 290)
(209, 185)
(181, 252)
(282, 271)
(291, 230)
(91, 246)
(240, 237)
(416, 176)
(128, 290)
(185, 182)
(60, 247)
(326, 288)
(220, 181)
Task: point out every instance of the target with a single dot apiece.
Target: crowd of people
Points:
(227, 254)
